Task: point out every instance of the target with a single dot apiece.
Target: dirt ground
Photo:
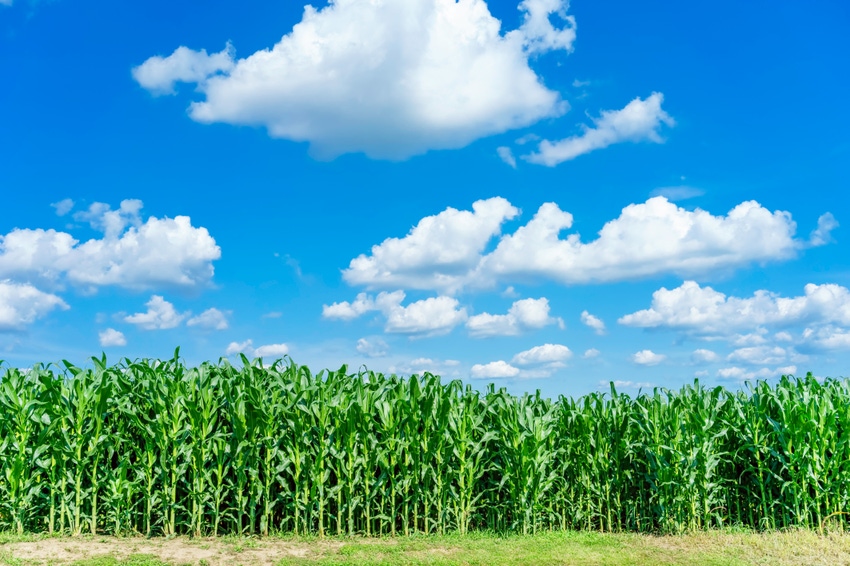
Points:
(180, 550)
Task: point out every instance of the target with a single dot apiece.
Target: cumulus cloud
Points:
(823, 233)
(494, 370)
(506, 155)
(211, 319)
(593, 322)
(703, 356)
(429, 317)
(759, 355)
(648, 358)
(374, 347)
(160, 315)
(591, 353)
(63, 207)
(826, 338)
(389, 79)
(735, 373)
(22, 304)
(247, 348)
(523, 315)
(423, 365)
(702, 310)
(437, 253)
(446, 252)
(640, 120)
(133, 254)
(547, 353)
(111, 337)
(159, 74)
(269, 350)
(647, 239)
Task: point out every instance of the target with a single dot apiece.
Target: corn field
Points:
(159, 448)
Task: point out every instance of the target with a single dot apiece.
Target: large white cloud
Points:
(446, 252)
(525, 314)
(391, 79)
(429, 317)
(640, 120)
(21, 304)
(438, 253)
(702, 310)
(131, 254)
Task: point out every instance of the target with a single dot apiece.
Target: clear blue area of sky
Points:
(758, 90)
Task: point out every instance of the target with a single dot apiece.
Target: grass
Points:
(709, 548)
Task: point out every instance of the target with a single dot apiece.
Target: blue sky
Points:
(542, 195)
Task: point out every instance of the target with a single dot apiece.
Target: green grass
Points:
(726, 547)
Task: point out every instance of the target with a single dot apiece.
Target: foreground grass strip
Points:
(726, 548)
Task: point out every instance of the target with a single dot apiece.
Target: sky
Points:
(542, 195)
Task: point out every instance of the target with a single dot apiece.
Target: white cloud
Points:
(426, 365)
(703, 310)
(593, 322)
(647, 239)
(523, 315)
(374, 348)
(494, 370)
(640, 120)
(437, 253)
(432, 316)
(384, 302)
(159, 74)
(271, 350)
(783, 337)
(547, 353)
(648, 358)
(823, 233)
(591, 353)
(132, 254)
(21, 304)
(703, 356)
(429, 317)
(759, 355)
(506, 155)
(621, 384)
(111, 337)
(677, 193)
(239, 347)
(246, 347)
(445, 252)
(160, 315)
(63, 207)
(212, 319)
(391, 79)
(735, 373)
(826, 338)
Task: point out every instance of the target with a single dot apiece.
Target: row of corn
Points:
(159, 448)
